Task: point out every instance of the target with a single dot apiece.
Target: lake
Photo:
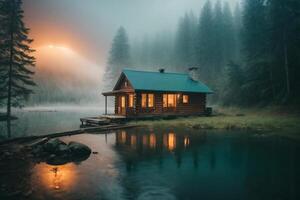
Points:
(146, 163)
(45, 120)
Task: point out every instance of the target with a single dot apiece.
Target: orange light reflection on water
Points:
(171, 141)
(60, 177)
(152, 140)
(133, 141)
(186, 141)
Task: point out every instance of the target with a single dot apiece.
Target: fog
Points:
(63, 75)
(247, 54)
(89, 26)
(86, 28)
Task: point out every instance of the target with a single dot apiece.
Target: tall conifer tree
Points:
(119, 57)
(204, 43)
(184, 44)
(16, 59)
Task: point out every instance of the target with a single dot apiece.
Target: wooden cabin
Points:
(146, 94)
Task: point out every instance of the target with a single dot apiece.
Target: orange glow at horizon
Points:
(58, 64)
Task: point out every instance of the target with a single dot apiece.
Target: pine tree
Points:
(232, 90)
(16, 60)
(258, 66)
(284, 24)
(219, 42)
(237, 27)
(184, 43)
(228, 34)
(119, 57)
(204, 47)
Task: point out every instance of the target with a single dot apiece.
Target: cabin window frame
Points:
(145, 100)
(130, 100)
(123, 102)
(148, 100)
(166, 100)
(185, 98)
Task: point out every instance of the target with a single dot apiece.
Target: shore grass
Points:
(281, 121)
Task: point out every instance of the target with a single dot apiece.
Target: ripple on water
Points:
(156, 193)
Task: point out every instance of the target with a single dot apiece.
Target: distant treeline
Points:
(248, 56)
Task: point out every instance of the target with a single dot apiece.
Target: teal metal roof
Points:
(171, 82)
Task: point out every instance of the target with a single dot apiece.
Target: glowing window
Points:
(123, 101)
(130, 100)
(185, 98)
(144, 100)
(150, 100)
(165, 100)
(169, 100)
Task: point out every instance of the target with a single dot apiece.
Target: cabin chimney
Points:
(161, 70)
(192, 73)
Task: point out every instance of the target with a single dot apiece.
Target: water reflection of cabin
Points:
(144, 93)
(152, 141)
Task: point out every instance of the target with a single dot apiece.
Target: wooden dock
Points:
(98, 130)
(102, 120)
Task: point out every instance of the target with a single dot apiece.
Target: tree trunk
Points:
(272, 82)
(286, 65)
(8, 113)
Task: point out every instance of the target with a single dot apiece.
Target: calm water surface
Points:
(174, 164)
(166, 164)
(45, 120)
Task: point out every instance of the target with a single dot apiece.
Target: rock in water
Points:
(78, 149)
(53, 145)
(63, 149)
(57, 152)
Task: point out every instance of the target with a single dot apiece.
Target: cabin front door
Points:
(122, 105)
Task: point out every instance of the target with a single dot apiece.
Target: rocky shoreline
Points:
(15, 158)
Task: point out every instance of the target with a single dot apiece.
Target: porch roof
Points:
(114, 92)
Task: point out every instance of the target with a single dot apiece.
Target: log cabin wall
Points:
(196, 105)
(157, 107)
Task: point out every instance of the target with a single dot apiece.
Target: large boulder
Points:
(57, 152)
(54, 146)
(78, 149)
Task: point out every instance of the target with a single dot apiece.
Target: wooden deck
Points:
(102, 120)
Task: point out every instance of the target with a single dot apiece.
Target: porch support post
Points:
(105, 105)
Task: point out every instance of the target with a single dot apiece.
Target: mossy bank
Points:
(282, 121)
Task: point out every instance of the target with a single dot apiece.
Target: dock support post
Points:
(105, 105)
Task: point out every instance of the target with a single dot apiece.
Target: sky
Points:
(87, 27)
(72, 38)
